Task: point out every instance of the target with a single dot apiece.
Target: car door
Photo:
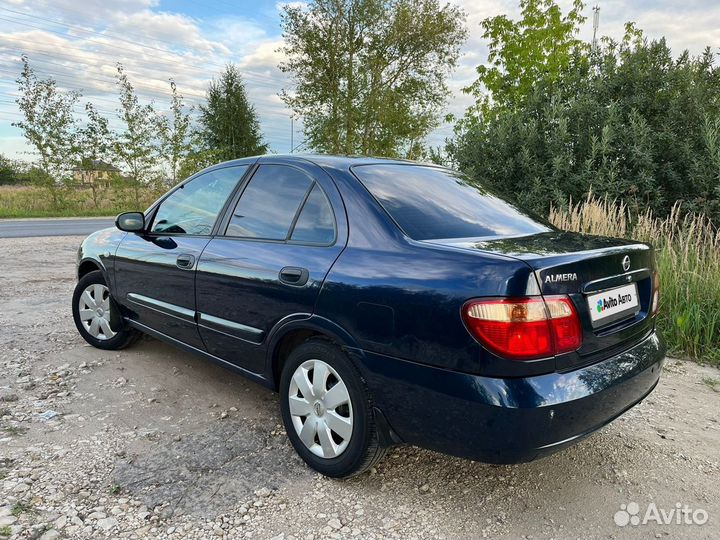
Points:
(275, 247)
(155, 271)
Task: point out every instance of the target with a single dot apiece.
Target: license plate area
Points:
(613, 305)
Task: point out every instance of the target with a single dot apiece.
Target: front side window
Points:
(267, 208)
(193, 208)
(431, 203)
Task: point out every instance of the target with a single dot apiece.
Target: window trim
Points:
(289, 239)
(151, 213)
(235, 199)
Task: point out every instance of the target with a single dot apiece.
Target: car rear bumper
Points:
(508, 420)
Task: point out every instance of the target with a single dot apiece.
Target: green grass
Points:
(688, 259)
(5, 531)
(37, 202)
(21, 507)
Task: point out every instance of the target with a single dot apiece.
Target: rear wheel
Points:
(91, 308)
(327, 411)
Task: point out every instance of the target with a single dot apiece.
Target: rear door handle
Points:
(293, 275)
(185, 261)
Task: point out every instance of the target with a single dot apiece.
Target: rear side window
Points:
(431, 203)
(268, 205)
(316, 222)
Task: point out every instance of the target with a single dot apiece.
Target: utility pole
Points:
(596, 25)
(292, 134)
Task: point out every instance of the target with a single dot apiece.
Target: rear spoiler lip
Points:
(485, 245)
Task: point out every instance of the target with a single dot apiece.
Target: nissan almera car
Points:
(387, 302)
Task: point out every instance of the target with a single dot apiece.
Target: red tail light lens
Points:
(656, 295)
(525, 328)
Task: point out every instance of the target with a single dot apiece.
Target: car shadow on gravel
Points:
(212, 470)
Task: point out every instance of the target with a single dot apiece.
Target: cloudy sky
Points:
(78, 42)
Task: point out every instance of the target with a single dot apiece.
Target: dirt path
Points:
(155, 443)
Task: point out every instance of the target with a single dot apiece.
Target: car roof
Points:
(322, 160)
(339, 161)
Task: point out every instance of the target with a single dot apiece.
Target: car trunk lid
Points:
(609, 281)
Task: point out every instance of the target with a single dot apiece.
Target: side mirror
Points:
(131, 222)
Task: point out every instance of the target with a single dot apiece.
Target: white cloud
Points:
(168, 28)
(85, 11)
(282, 5)
(265, 57)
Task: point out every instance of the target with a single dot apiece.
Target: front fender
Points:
(99, 250)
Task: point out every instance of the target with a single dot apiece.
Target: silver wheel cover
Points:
(94, 309)
(320, 409)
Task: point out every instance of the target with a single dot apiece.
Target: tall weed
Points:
(687, 249)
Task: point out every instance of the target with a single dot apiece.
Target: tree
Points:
(48, 125)
(541, 45)
(369, 75)
(12, 172)
(627, 121)
(174, 132)
(229, 127)
(136, 145)
(94, 143)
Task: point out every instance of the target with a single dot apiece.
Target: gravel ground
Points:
(155, 443)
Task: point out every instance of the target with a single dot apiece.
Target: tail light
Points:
(525, 328)
(655, 307)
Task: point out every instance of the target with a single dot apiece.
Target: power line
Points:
(129, 69)
(79, 29)
(66, 8)
(249, 73)
(262, 114)
(71, 84)
(153, 92)
(182, 80)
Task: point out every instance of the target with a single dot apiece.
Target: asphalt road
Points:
(26, 228)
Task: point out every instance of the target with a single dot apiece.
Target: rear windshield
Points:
(431, 203)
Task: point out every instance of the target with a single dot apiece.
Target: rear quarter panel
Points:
(402, 298)
(406, 302)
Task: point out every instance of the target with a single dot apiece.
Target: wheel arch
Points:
(289, 334)
(88, 265)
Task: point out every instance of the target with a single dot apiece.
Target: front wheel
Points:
(327, 411)
(91, 308)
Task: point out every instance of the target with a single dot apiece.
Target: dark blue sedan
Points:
(388, 302)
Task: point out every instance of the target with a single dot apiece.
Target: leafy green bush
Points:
(626, 120)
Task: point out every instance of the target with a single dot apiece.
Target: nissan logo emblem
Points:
(626, 263)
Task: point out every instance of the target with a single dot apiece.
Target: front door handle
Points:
(293, 275)
(185, 261)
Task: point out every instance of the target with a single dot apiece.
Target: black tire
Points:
(121, 339)
(364, 448)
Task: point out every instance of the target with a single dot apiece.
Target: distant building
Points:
(95, 171)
